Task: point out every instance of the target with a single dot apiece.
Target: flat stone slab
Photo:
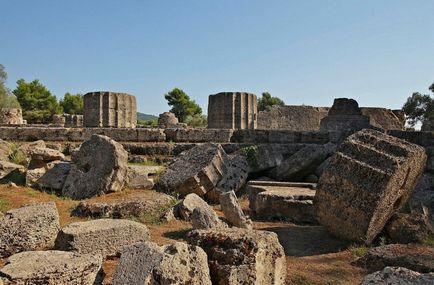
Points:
(51, 267)
(398, 276)
(284, 201)
(136, 204)
(31, 227)
(240, 256)
(105, 236)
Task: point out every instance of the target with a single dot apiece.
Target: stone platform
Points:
(269, 200)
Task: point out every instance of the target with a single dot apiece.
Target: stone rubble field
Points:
(356, 212)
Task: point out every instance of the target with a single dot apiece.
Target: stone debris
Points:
(302, 163)
(369, 178)
(175, 264)
(184, 209)
(52, 267)
(412, 256)
(233, 212)
(398, 276)
(197, 170)
(27, 147)
(138, 176)
(205, 218)
(7, 167)
(40, 156)
(99, 167)
(30, 227)
(136, 204)
(54, 177)
(282, 201)
(409, 228)
(240, 256)
(105, 236)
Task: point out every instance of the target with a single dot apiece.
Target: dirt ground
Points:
(313, 256)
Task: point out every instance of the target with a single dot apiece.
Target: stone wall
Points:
(110, 109)
(232, 110)
(307, 118)
(11, 116)
(296, 118)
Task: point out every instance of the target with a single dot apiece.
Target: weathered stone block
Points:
(369, 178)
(398, 276)
(105, 236)
(31, 227)
(233, 212)
(344, 114)
(240, 256)
(11, 116)
(51, 267)
(176, 264)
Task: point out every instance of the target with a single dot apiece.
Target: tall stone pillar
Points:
(110, 110)
(232, 110)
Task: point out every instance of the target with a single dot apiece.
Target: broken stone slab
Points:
(30, 227)
(240, 256)
(408, 228)
(175, 264)
(41, 155)
(7, 167)
(302, 163)
(197, 170)
(27, 147)
(99, 167)
(138, 176)
(136, 204)
(412, 256)
(233, 212)
(398, 276)
(282, 201)
(105, 236)
(51, 267)
(184, 209)
(204, 218)
(55, 176)
(369, 178)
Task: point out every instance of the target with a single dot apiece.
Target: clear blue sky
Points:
(377, 52)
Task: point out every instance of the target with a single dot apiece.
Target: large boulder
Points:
(51, 267)
(369, 178)
(138, 176)
(40, 156)
(54, 177)
(106, 236)
(233, 212)
(412, 256)
(408, 228)
(197, 170)
(99, 167)
(175, 264)
(205, 218)
(302, 163)
(398, 276)
(240, 256)
(31, 227)
(27, 147)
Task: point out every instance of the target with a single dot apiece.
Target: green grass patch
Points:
(251, 154)
(31, 192)
(4, 205)
(359, 251)
(429, 241)
(147, 163)
(19, 157)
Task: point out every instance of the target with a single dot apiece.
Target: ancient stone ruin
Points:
(109, 110)
(370, 177)
(11, 116)
(232, 110)
(344, 114)
(168, 120)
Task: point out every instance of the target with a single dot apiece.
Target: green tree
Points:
(72, 104)
(37, 102)
(7, 99)
(182, 105)
(419, 107)
(197, 121)
(267, 100)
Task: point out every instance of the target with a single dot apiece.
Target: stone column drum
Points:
(232, 110)
(110, 109)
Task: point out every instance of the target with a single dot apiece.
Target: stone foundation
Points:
(11, 116)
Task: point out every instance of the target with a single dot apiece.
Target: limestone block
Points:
(31, 227)
(185, 208)
(369, 178)
(51, 267)
(240, 256)
(232, 210)
(398, 276)
(107, 237)
(175, 264)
